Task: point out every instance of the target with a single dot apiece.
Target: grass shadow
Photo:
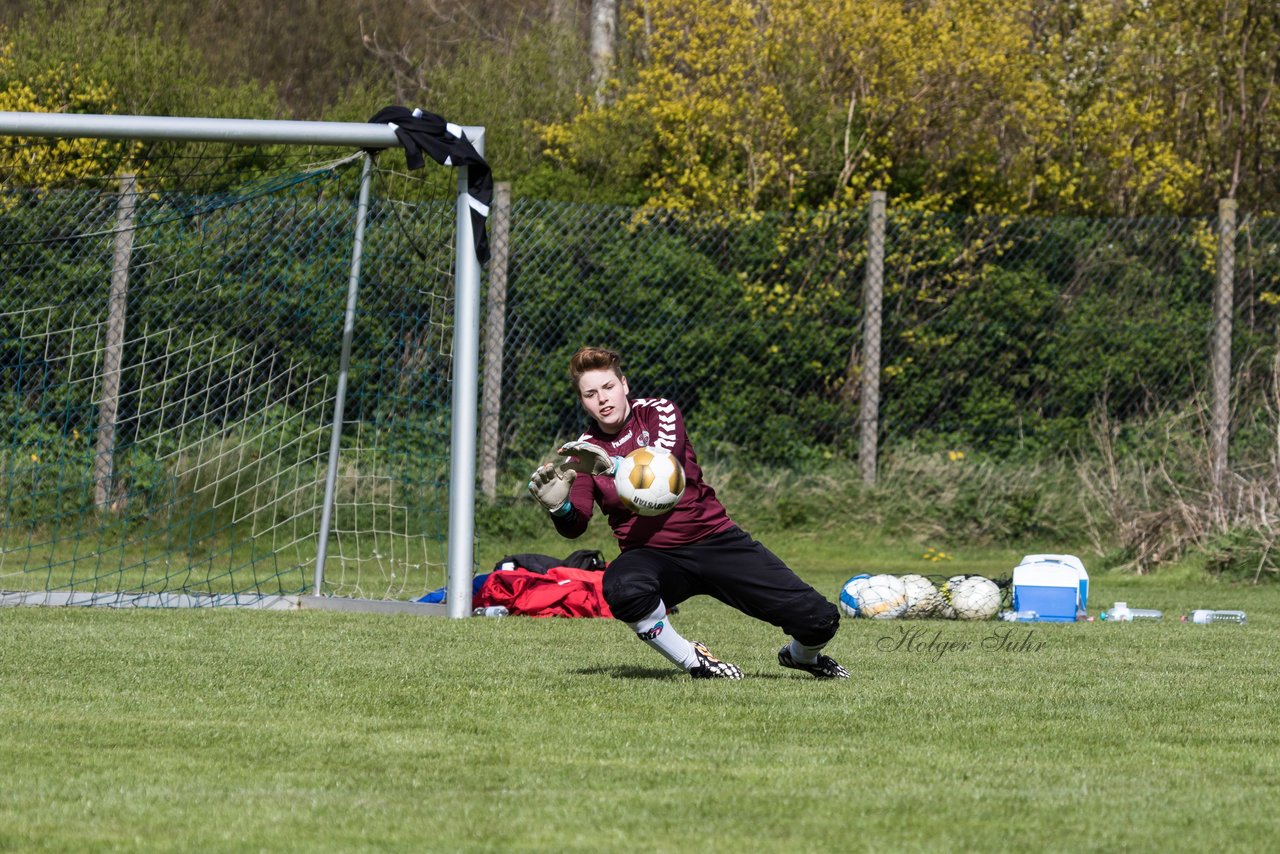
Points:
(630, 671)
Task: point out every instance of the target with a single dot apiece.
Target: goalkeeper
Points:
(694, 549)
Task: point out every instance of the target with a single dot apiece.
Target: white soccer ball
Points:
(850, 592)
(884, 597)
(975, 598)
(922, 596)
(650, 481)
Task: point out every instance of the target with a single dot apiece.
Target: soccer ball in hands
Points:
(922, 597)
(884, 597)
(850, 592)
(975, 598)
(650, 481)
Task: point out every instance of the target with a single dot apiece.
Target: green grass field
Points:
(306, 731)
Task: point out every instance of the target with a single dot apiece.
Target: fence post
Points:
(113, 351)
(872, 297)
(494, 333)
(1220, 358)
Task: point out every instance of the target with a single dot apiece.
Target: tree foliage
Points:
(1024, 106)
(1027, 106)
(50, 90)
(149, 69)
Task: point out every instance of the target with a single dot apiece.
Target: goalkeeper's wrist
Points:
(563, 510)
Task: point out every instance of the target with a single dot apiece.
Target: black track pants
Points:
(731, 567)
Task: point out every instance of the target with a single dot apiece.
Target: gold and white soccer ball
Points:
(975, 598)
(883, 597)
(922, 596)
(944, 609)
(650, 481)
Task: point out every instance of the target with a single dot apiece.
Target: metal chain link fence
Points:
(185, 406)
(1004, 334)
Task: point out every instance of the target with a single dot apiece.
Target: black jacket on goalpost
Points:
(420, 131)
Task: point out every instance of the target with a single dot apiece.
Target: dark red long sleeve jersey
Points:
(699, 514)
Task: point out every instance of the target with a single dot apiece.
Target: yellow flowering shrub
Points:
(45, 163)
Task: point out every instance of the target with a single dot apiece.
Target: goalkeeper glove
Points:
(550, 486)
(591, 459)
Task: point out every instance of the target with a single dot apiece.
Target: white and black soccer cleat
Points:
(824, 668)
(710, 667)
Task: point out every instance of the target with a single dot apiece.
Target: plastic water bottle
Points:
(1122, 613)
(491, 611)
(1206, 615)
(1023, 616)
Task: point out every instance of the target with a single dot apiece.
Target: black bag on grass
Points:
(591, 559)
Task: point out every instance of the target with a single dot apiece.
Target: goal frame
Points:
(366, 138)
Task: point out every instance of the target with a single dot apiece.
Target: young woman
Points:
(693, 549)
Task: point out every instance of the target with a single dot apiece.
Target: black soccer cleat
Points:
(824, 668)
(710, 667)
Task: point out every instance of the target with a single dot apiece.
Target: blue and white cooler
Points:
(1056, 587)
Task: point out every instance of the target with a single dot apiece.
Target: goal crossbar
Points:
(192, 129)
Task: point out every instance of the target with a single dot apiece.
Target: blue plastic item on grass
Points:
(1056, 587)
(441, 594)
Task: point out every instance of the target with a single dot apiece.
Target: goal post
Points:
(251, 417)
